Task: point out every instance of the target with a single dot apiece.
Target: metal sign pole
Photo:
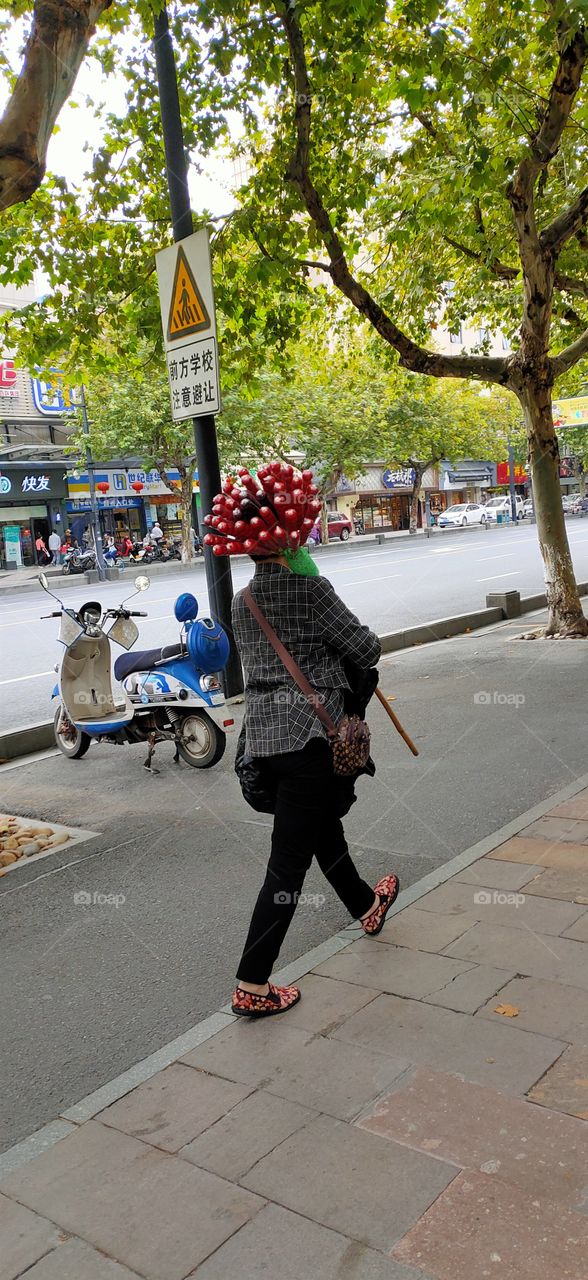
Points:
(218, 571)
(94, 516)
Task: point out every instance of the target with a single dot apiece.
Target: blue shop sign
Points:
(105, 504)
(399, 478)
(51, 397)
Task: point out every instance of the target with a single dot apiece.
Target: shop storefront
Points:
(32, 503)
(380, 497)
(129, 501)
(467, 481)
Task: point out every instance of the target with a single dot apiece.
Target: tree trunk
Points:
(566, 617)
(419, 472)
(183, 491)
(53, 54)
(324, 523)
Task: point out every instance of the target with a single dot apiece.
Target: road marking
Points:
(514, 574)
(504, 555)
(358, 582)
(37, 676)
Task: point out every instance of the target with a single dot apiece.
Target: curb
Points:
(67, 1122)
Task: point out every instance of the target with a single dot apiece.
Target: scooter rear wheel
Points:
(71, 741)
(203, 743)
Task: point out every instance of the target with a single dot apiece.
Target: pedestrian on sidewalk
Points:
(286, 739)
(43, 556)
(55, 546)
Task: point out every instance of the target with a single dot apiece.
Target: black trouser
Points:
(306, 825)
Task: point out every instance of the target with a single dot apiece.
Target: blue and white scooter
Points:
(165, 694)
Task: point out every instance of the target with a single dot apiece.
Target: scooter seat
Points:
(145, 659)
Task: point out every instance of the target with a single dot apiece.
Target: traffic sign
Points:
(186, 299)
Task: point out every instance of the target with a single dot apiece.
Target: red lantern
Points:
(137, 485)
(103, 486)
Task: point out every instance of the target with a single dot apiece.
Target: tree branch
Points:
(568, 224)
(412, 356)
(55, 49)
(570, 355)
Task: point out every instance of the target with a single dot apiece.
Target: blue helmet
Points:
(208, 646)
(186, 607)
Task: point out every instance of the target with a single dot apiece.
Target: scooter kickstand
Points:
(152, 739)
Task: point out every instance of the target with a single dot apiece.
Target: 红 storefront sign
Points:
(8, 376)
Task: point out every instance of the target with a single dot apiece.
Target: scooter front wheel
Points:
(202, 743)
(71, 741)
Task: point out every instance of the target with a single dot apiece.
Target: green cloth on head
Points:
(301, 562)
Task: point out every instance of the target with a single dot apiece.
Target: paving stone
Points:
(576, 808)
(568, 857)
(549, 1008)
(173, 1107)
(351, 1181)
(572, 886)
(251, 1130)
(483, 1227)
(396, 969)
(77, 1261)
(498, 1055)
(424, 931)
(24, 1238)
(527, 953)
(540, 1151)
(579, 930)
(155, 1213)
(505, 907)
(471, 989)
(565, 1086)
(497, 873)
(325, 1003)
(280, 1245)
(307, 1069)
(565, 829)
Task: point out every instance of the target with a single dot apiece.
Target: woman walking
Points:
(284, 733)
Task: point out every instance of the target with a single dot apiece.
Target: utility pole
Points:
(511, 482)
(94, 516)
(218, 570)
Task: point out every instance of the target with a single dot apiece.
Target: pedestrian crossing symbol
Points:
(187, 312)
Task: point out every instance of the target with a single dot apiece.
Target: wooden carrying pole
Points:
(396, 722)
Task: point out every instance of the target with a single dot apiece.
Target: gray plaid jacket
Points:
(319, 631)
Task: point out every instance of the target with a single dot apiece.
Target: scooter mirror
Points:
(42, 578)
(142, 582)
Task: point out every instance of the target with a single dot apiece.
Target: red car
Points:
(340, 526)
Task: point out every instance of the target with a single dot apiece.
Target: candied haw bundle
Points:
(263, 515)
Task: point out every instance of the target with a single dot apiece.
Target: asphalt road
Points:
(391, 586)
(89, 990)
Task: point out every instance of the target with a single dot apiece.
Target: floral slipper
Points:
(278, 999)
(387, 891)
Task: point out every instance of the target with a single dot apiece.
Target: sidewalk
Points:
(420, 1115)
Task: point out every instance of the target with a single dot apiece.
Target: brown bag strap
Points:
(290, 665)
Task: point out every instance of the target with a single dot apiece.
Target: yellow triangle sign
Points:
(187, 312)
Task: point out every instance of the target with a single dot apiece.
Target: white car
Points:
(462, 513)
(501, 506)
